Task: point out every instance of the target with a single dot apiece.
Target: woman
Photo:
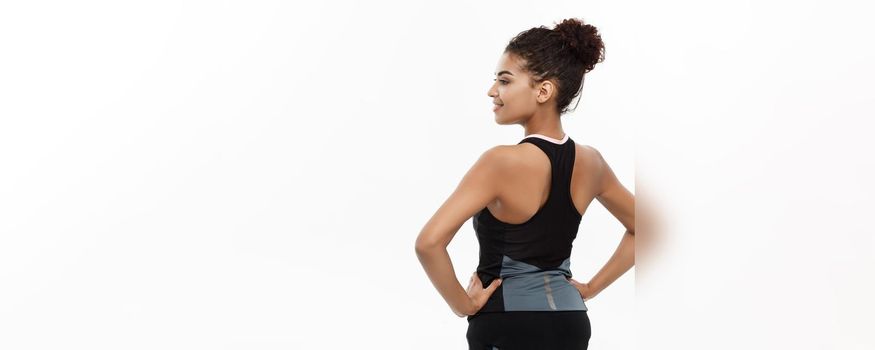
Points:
(527, 201)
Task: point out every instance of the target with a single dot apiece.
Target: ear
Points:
(546, 89)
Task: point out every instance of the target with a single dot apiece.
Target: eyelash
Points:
(503, 82)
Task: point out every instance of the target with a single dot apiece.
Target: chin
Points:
(504, 121)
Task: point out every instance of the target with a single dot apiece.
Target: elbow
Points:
(420, 249)
(425, 247)
(430, 242)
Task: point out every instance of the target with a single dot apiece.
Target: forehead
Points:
(508, 63)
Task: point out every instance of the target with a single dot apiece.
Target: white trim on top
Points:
(548, 138)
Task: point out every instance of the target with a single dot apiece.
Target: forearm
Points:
(439, 268)
(622, 260)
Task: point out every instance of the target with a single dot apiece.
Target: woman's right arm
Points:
(478, 187)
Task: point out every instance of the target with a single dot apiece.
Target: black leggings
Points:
(529, 330)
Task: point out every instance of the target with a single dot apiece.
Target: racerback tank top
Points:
(533, 258)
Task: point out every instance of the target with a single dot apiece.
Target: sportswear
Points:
(530, 330)
(533, 258)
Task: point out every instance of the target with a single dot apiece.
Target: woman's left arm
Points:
(620, 203)
(478, 187)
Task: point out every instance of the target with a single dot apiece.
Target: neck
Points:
(545, 122)
(550, 127)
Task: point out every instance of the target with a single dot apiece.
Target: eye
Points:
(503, 82)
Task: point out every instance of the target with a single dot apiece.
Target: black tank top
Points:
(533, 258)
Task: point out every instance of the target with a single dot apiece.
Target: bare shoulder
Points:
(610, 192)
(589, 157)
(586, 150)
(512, 158)
(495, 163)
(499, 157)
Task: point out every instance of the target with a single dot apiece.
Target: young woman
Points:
(527, 201)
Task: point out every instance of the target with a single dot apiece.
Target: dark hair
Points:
(565, 53)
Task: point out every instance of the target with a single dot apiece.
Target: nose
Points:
(492, 91)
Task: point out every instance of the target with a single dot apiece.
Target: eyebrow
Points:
(503, 72)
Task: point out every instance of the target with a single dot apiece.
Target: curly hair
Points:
(565, 53)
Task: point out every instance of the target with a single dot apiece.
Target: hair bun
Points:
(583, 41)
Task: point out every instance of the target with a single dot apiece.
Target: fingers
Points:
(476, 280)
(494, 284)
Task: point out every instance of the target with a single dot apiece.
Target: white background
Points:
(253, 175)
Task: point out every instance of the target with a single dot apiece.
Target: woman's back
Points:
(530, 179)
(532, 256)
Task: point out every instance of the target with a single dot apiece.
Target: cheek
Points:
(510, 95)
(518, 98)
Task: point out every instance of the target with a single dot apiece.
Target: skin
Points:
(513, 181)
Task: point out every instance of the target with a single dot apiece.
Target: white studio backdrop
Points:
(253, 175)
